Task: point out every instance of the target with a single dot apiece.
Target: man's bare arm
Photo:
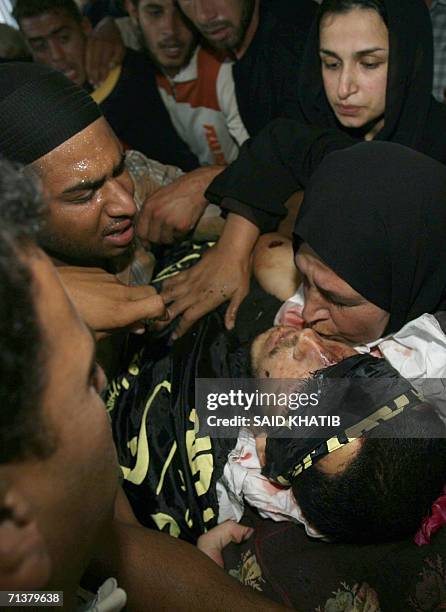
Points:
(274, 267)
(159, 572)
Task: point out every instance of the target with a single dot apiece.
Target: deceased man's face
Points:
(286, 352)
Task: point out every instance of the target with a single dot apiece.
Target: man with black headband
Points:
(56, 130)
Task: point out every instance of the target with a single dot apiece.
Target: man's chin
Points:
(229, 44)
(167, 63)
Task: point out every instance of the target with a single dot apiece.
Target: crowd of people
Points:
(216, 189)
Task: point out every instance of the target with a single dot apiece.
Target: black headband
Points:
(39, 110)
(373, 393)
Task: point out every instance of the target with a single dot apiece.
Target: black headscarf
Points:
(39, 110)
(282, 158)
(376, 214)
(411, 112)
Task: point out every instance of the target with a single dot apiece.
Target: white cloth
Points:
(295, 303)
(418, 352)
(109, 598)
(242, 481)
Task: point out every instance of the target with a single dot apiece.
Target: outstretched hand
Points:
(106, 304)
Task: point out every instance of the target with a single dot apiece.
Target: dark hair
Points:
(386, 491)
(338, 7)
(32, 8)
(22, 353)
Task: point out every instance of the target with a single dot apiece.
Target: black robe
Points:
(382, 227)
(266, 78)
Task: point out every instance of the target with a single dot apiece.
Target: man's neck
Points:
(250, 32)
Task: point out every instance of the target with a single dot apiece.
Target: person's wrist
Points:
(239, 236)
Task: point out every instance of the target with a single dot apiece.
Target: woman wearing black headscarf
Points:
(412, 115)
(370, 252)
(381, 232)
(383, 94)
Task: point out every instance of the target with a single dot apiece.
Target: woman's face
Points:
(354, 52)
(332, 307)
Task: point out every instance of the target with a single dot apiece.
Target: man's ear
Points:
(86, 26)
(24, 558)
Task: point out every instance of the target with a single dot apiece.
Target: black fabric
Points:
(441, 318)
(409, 85)
(137, 114)
(173, 469)
(266, 77)
(368, 385)
(256, 314)
(387, 203)
(39, 110)
(96, 10)
(270, 168)
(281, 159)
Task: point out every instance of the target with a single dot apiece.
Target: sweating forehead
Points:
(156, 3)
(88, 155)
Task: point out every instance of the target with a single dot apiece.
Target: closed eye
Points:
(330, 65)
(371, 65)
(82, 199)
